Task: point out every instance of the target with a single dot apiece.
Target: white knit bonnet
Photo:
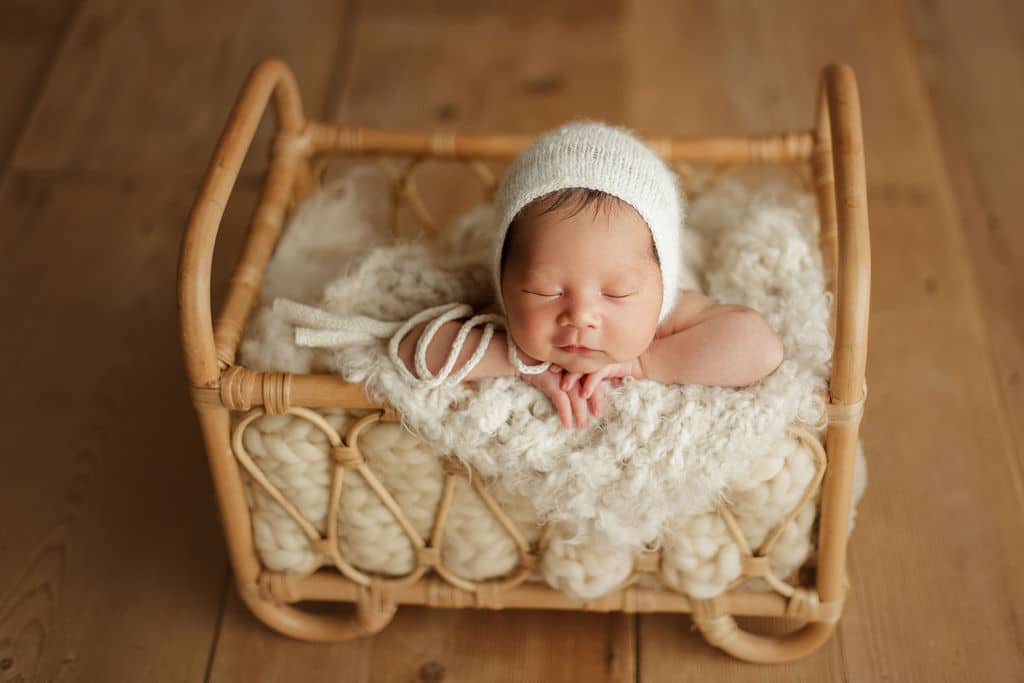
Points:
(596, 156)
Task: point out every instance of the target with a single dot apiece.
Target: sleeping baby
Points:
(586, 270)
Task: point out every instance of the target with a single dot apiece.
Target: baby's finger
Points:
(569, 380)
(596, 402)
(592, 382)
(564, 408)
(555, 368)
(579, 408)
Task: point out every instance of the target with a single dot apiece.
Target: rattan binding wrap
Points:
(833, 151)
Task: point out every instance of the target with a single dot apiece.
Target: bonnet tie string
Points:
(317, 328)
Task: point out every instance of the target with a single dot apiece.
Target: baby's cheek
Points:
(537, 333)
(527, 333)
(634, 341)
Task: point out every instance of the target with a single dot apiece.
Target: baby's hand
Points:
(588, 386)
(571, 406)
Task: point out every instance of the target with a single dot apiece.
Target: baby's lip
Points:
(572, 348)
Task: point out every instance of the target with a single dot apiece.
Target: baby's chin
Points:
(579, 363)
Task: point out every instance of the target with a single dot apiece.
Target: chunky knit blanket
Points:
(649, 474)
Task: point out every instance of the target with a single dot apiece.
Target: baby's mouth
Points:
(582, 350)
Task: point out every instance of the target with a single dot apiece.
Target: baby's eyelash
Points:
(557, 294)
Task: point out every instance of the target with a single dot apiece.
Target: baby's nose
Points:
(579, 314)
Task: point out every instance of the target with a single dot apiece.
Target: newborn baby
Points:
(586, 270)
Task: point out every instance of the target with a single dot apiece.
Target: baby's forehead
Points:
(624, 235)
(612, 259)
(611, 268)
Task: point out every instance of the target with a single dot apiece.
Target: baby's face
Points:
(582, 291)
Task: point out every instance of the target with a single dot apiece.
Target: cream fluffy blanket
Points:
(661, 451)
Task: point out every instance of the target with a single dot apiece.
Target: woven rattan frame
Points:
(834, 151)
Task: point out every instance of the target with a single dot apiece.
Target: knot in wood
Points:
(347, 456)
(529, 560)
(237, 386)
(321, 547)
(753, 565)
(840, 413)
(374, 606)
(278, 587)
(647, 562)
(488, 595)
(428, 556)
(292, 144)
(803, 604)
(388, 414)
(442, 143)
(277, 391)
(829, 612)
(348, 138)
(710, 608)
(454, 467)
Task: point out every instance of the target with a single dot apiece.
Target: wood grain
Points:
(30, 38)
(433, 645)
(115, 570)
(942, 512)
(975, 94)
(104, 544)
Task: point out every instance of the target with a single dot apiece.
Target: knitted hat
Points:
(598, 157)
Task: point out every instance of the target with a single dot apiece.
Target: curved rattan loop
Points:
(720, 629)
(406, 186)
(316, 542)
(374, 607)
(756, 563)
(499, 514)
(351, 442)
(410, 191)
(315, 627)
(312, 535)
(488, 181)
(820, 464)
(527, 559)
(694, 183)
(272, 77)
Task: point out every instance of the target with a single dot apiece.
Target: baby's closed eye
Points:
(613, 294)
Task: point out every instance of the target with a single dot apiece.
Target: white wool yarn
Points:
(699, 556)
(596, 156)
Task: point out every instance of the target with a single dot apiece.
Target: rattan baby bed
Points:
(833, 151)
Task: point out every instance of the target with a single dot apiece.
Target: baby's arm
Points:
(572, 407)
(494, 363)
(713, 345)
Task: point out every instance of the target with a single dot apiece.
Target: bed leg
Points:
(365, 618)
(720, 629)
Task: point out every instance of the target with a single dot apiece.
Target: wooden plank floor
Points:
(112, 565)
